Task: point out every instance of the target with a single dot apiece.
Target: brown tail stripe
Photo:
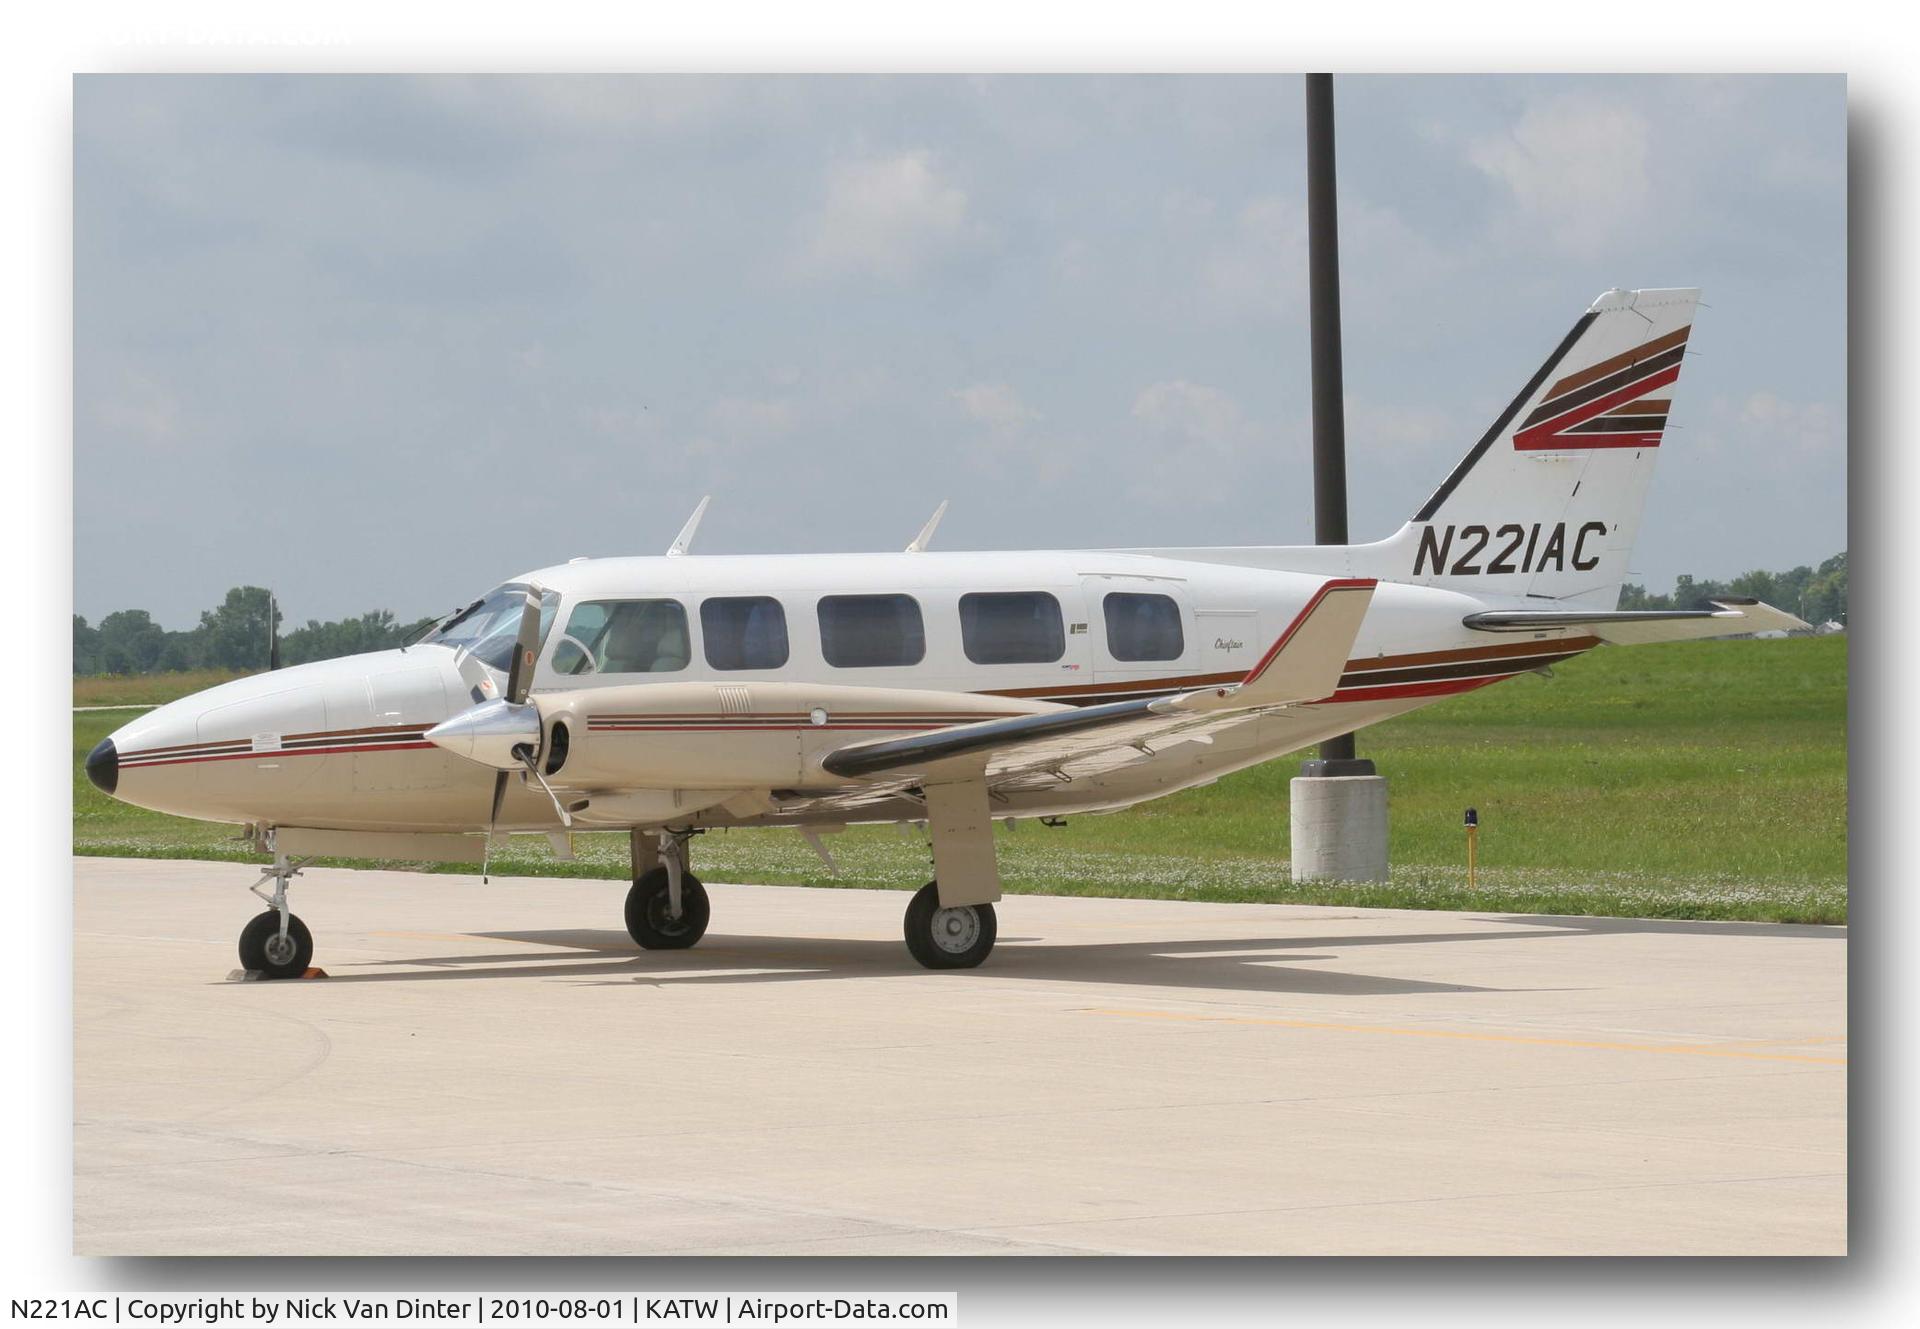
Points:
(1678, 337)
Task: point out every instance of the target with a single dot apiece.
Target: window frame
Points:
(564, 635)
(707, 633)
(826, 637)
(1059, 627)
(1179, 624)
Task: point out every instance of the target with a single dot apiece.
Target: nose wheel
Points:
(956, 937)
(276, 944)
(265, 950)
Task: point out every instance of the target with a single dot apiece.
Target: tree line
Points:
(236, 635)
(233, 636)
(1817, 594)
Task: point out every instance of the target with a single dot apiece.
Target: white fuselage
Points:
(745, 681)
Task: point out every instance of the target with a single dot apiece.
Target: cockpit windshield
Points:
(488, 627)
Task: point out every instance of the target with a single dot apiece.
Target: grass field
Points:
(1694, 780)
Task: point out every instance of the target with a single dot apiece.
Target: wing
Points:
(1303, 665)
(1730, 617)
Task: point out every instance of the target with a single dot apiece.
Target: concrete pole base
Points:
(1339, 827)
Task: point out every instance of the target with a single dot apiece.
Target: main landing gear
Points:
(667, 909)
(276, 944)
(957, 937)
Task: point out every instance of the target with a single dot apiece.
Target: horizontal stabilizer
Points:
(1730, 617)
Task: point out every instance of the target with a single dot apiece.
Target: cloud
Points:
(995, 406)
(1405, 430)
(1193, 415)
(143, 412)
(1191, 429)
(886, 217)
(747, 417)
(1257, 262)
(1803, 429)
(1576, 167)
(1261, 261)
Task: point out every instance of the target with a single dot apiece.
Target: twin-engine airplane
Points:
(669, 696)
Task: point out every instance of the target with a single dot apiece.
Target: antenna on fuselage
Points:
(682, 541)
(920, 541)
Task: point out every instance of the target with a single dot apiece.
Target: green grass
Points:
(144, 689)
(1694, 780)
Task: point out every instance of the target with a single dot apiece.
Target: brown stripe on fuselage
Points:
(1361, 671)
(1641, 352)
(1465, 669)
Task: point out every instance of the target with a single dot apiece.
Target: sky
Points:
(386, 341)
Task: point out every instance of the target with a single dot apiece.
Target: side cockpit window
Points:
(624, 637)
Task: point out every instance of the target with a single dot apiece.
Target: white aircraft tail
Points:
(1547, 504)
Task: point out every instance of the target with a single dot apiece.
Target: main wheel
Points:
(647, 916)
(958, 937)
(264, 950)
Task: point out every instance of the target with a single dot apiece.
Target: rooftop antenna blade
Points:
(920, 541)
(682, 541)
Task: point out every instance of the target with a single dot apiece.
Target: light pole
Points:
(1338, 803)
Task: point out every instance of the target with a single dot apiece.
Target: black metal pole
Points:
(1323, 300)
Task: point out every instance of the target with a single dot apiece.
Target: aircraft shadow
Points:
(1236, 964)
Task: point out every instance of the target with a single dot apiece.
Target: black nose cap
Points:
(103, 766)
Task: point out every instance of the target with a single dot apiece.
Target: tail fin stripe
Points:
(1678, 337)
(1609, 385)
(1553, 433)
(1506, 417)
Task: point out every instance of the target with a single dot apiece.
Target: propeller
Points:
(503, 733)
(519, 683)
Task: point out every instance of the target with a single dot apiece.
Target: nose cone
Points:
(103, 766)
(490, 732)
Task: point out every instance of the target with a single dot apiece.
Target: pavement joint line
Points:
(1693, 1050)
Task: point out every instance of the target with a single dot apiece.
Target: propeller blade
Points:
(520, 674)
(499, 797)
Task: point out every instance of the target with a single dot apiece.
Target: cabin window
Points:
(1014, 627)
(871, 631)
(624, 637)
(744, 632)
(1143, 627)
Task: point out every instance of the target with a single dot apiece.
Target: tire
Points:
(260, 948)
(647, 917)
(955, 938)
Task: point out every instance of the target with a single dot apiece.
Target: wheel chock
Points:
(261, 976)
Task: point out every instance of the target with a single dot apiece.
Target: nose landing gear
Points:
(276, 944)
